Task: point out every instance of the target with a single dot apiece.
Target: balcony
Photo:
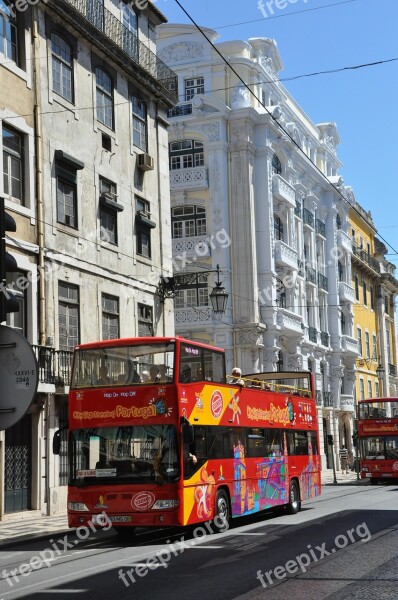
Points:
(308, 217)
(285, 256)
(347, 403)
(318, 397)
(346, 292)
(54, 366)
(344, 241)
(313, 334)
(187, 316)
(320, 228)
(192, 246)
(194, 178)
(322, 282)
(324, 338)
(289, 321)
(350, 345)
(310, 275)
(283, 191)
(119, 40)
(328, 399)
(181, 110)
(360, 256)
(392, 370)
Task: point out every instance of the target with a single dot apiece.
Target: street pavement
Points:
(27, 527)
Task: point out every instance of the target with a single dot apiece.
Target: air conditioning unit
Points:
(145, 162)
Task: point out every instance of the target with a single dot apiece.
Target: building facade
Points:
(255, 188)
(98, 207)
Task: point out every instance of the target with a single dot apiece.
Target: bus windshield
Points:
(139, 454)
(124, 365)
(380, 447)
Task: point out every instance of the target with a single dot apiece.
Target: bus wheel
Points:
(124, 531)
(294, 505)
(222, 512)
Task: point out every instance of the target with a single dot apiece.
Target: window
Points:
(372, 298)
(374, 340)
(110, 317)
(108, 211)
(276, 165)
(278, 228)
(338, 221)
(370, 392)
(193, 291)
(13, 164)
(145, 321)
(194, 86)
(279, 364)
(62, 67)
(66, 194)
(104, 98)
(356, 285)
(186, 154)
(341, 271)
(139, 123)
(130, 31)
(388, 345)
(367, 344)
(68, 315)
(17, 320)
(143, 226)
(359, 340)
(188, 221)
(365, 294)
(8, 33)
(377, 389)
(361, 389)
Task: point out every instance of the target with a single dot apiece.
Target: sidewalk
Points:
(32, 526)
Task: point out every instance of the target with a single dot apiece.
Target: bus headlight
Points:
(78, 506)
(163, 504)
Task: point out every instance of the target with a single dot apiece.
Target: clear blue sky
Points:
(363, 103)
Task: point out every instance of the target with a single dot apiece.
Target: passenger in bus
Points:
(103, 378)
(256, 383)
(154, 375)
(131, 373)
(236, 378)
(186, 375)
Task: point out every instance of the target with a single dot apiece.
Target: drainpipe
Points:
(159, 121)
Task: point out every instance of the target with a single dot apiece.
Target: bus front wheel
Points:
(222, 512)
(294, 505)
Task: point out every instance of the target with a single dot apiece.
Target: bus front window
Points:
(123, 366)
(138, 454)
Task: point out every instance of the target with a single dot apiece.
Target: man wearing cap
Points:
(236, 378)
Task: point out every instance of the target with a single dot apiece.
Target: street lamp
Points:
(169, 286)
(380, 370)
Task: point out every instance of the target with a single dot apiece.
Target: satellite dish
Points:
(18, 376)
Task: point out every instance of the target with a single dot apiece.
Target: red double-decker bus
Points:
(378, 438)
(158, 437)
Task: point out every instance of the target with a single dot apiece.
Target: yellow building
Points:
(375, 288)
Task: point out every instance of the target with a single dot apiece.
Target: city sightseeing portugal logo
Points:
(216, 404)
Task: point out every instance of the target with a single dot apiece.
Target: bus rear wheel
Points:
(222, 512)
(294, 505)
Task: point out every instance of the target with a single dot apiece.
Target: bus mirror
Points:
(187, 433)
(57, 442)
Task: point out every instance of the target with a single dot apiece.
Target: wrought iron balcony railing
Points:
(308, 217)
(320, 227)
(366, 258)
(328, 399)
(300, 266)
(322, 282)
(310, 275)
(54, 365)
(312, 334)
(324, 338)
(180, 111)
(95, 12)
(392, 370)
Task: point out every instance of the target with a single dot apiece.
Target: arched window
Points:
(62, 67)
(279, 364)
(278, 227)
(310, 366)
(338, 221)
(188, 221)
(276, 165)
(186, 154)
(104, 97)
(8, 32)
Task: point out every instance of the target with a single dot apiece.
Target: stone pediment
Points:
(181, 51)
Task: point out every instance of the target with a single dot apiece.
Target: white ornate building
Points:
(251, 191)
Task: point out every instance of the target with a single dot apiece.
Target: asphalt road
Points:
(343, 544)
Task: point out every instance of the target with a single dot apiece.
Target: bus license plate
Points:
(120, 519)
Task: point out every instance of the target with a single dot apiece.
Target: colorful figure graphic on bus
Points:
(204, 494)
